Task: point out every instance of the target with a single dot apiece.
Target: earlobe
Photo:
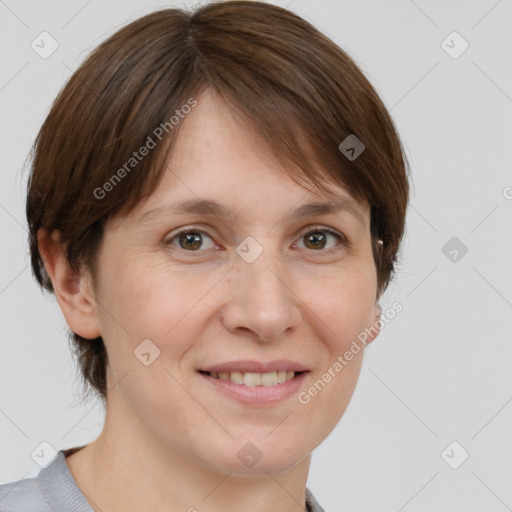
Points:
(375, 325)
(74, 292)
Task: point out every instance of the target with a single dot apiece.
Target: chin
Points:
(259, 457)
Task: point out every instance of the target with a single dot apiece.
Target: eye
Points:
(189, 239)
(192, 239)
(317, 237)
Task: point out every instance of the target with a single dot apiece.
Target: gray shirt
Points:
(55, 490)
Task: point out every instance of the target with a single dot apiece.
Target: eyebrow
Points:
(210, 208)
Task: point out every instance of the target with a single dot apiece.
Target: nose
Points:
(261, 299)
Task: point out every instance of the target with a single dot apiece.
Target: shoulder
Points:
(23, 496)
(53, 489)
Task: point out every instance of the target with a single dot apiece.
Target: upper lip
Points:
(256, 366)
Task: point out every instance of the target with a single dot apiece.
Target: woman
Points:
(217, 201)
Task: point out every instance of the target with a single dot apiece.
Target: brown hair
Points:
(302, 93)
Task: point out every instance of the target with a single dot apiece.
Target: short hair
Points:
(300, 91)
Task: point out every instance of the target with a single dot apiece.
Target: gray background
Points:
(440, 371)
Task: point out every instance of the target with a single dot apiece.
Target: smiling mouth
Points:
(252, 379)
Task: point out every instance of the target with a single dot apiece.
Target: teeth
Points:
(281, 376)
(269, 379)
(237, 377)
(252, 379)
(255, 379)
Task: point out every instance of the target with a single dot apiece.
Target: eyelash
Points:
(341, 238)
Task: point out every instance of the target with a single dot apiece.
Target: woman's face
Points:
(255, 291)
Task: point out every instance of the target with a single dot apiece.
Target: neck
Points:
(116, 473)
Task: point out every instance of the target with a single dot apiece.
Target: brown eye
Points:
(315, 240)
(318, 238)
(190, 240)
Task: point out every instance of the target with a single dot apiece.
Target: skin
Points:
(170, 441)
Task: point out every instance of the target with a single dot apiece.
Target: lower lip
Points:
(257, 395)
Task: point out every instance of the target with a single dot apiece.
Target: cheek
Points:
(324, 401)
(339, 314)
(145, 299)
(343, 308)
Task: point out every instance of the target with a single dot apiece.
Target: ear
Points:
(374, 326)
(74, 292)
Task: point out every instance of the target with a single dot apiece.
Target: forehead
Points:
(220, 167)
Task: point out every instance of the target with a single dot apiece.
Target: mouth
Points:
(252, 379)
(254, 383)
